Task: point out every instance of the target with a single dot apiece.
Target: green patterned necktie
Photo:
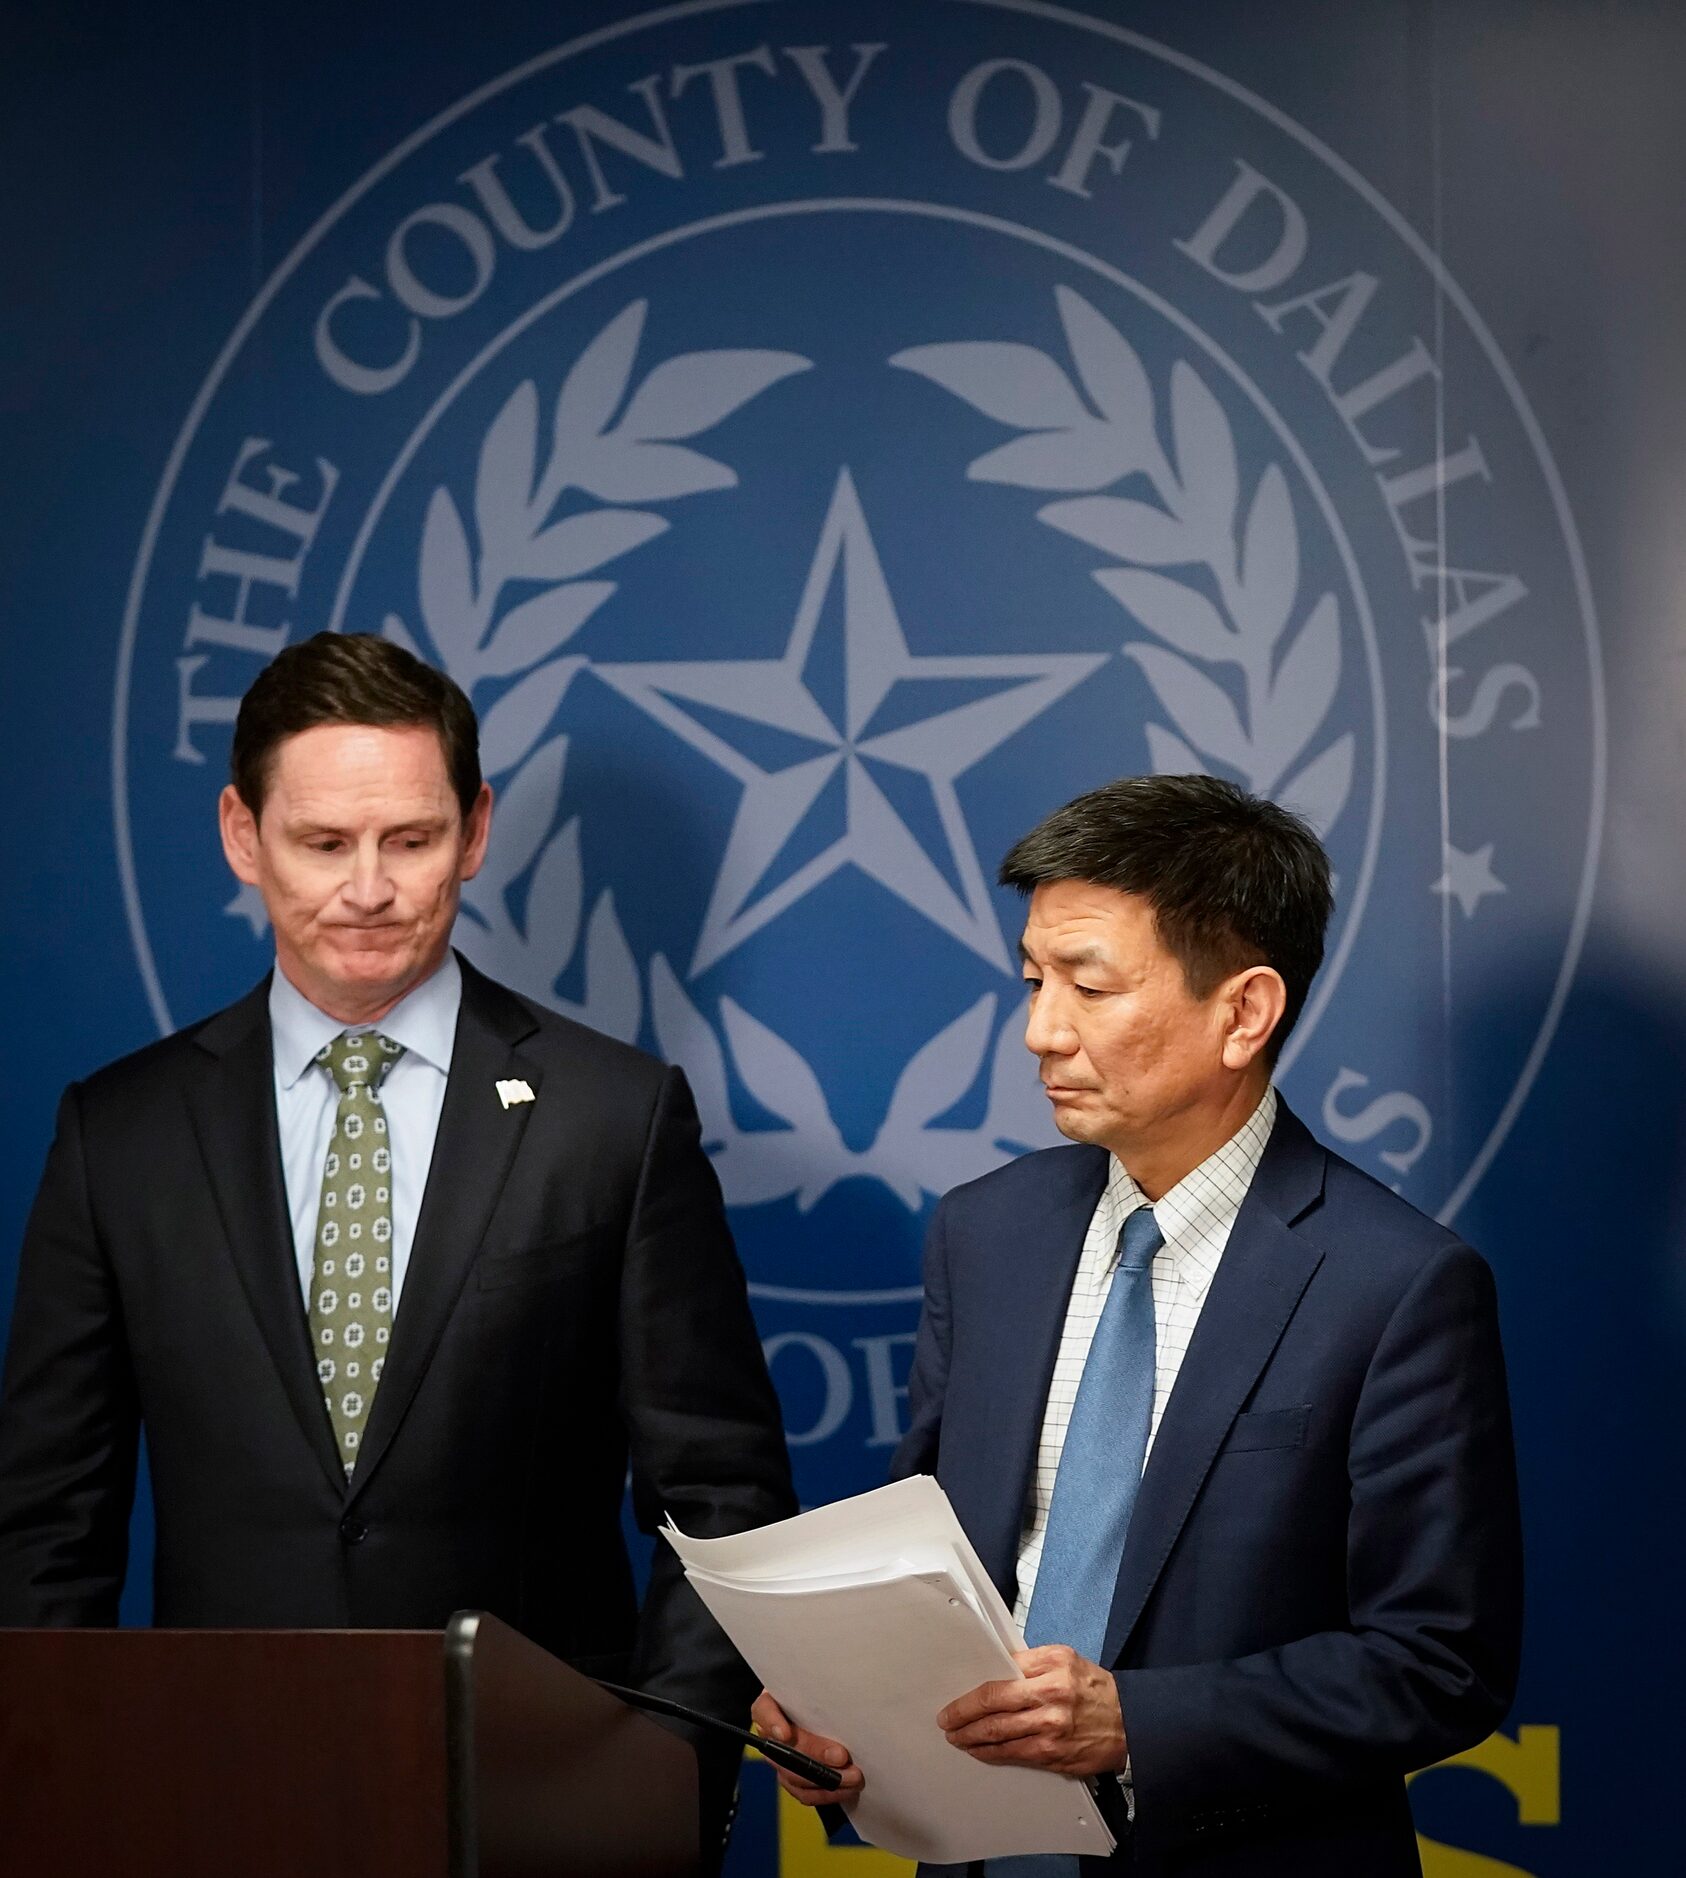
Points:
(351, 1287)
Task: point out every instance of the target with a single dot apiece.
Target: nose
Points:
(368, 886)
(1047, 1029)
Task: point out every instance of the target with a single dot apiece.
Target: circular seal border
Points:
(1060, 15)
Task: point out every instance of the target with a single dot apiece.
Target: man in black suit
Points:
(398, 1272)
(1224, 1417)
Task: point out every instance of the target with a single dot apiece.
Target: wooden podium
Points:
(470, 1753)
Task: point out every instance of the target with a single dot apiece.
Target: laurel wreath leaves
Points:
(808, 1156)
(1099, 425)
(500, 606)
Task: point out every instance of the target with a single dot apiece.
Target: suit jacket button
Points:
(353, 1531)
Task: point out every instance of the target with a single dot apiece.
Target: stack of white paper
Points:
(864, 1619)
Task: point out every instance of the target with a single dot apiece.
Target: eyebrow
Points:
(1077, 955)
(420, 824)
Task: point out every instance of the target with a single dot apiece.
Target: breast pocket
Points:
(1259, 1429)
(572, 1257)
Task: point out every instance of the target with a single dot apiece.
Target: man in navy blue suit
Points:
(1225, 1418)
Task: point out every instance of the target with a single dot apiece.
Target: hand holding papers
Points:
(864, 1619)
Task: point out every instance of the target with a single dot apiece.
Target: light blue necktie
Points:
(1095, 1489)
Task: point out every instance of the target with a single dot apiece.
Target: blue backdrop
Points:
(824, 437)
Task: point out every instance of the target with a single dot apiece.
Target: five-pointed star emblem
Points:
(248, 905)
(1469, 878)
(934, 871)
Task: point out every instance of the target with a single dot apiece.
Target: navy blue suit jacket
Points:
(1321, 1589)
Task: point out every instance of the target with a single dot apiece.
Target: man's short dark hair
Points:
(1233, 880)
(350, 678)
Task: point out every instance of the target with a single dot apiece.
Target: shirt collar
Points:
(424, 1021)
(1196, 1215)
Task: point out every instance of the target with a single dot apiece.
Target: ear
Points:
(477, 828)
(239, 827)
(1253, 1002)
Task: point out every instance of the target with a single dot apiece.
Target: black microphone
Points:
(792, 1760)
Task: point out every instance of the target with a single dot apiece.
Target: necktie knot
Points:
(359, 1059)
(1139, 1240)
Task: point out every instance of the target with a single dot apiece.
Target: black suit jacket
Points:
(1321, 1586)
(573, 1306)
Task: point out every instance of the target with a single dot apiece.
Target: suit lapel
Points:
(1029, 1292)
(1264, 1270)
(233, 1109)
(472, 1154)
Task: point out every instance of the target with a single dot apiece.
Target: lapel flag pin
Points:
(509, 1093)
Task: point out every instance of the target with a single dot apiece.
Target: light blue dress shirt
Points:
(413, 1094)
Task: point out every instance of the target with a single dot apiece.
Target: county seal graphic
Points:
(821, 439)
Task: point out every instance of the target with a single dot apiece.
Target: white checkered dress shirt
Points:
(1195, 1217)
